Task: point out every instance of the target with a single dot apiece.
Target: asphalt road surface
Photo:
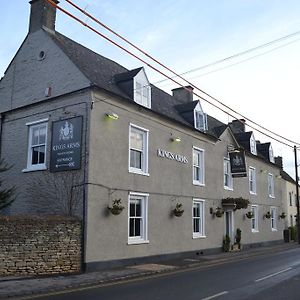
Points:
(267, 277)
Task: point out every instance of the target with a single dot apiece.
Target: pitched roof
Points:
(286, 176)
(105, 74)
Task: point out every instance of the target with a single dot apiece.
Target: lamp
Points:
(176, 139)
(112, 116)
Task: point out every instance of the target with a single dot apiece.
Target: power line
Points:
(160, 72)
(236, 55)
(178, 75)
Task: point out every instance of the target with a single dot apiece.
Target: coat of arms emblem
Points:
(66, 131)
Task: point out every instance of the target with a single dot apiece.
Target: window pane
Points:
(196, 173)
(131, 227)
(41, 150)
(196, 225)
(138, 209)
(35, 136)
(135, 159)
(196, 158)
(42, 136)
(138, 227)
(136, 140)
(132, 209)
(35, 156)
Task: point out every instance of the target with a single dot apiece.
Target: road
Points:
(273, 276)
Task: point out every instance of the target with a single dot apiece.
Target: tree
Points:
(6, 194)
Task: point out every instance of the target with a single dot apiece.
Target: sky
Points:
(184, 35)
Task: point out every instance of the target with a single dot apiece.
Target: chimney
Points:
(237, 126)
(183, 95)
(279, 162)
(42, 14)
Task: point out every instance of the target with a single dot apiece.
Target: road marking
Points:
(274, 274)
(215, 296)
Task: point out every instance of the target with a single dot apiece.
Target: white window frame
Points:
(254, 220)
(271, 154)
(143, 238)
(145, 158)
(252, 178)
(200, 120)
(227, 173)
(273, 211)
(271, 187)
(142, 89)
(253, 145)
(201, 218)
(31, 126)
(201, 180)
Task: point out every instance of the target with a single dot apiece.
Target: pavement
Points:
(22, 287)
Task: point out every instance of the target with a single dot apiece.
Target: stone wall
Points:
(39, 245)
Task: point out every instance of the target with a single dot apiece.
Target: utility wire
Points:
(236, 55)
(188, 82)
(160, 72)
(237, 63)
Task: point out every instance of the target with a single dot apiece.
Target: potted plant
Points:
(178, 210)
(249, 215)
(268, 215)
(219, 212)
(226, 243)
(116, 207)
(283, 215)
(238, 237)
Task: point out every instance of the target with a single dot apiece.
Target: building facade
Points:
(81, 132)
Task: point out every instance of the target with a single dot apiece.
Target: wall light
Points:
(176, 139)
(112, 116)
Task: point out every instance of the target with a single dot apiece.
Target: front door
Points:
(229, 229)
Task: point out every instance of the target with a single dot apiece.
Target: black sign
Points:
(66, 145)
(238, 163)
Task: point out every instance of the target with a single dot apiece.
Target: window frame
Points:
(254, 220)
(145, 153)
(30, 127)
(201, 218)
(271, 185)
(273, 211)
(253, 148)
(201, 180)
(143, 238)
(253, 171)
(226, 167)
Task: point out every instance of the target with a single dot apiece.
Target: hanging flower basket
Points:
(237, 203)
(268, 215)
(178, 210)
(249, 214)
(283, 215)
(116, 207)
(219, 212)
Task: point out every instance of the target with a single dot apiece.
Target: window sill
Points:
(255, 230)
(137, 242)
(33, 169)
(253, 193)
(274, 230)
(196, 236)
(198, 183)
(270, 196)
(139, 172)
(228, 188)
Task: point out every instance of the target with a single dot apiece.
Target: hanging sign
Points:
(66, 145)
(238, 163)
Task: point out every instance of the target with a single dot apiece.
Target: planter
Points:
(249, 215)
(178, 211)
(282, 216)
(268, 215)
(116, 207)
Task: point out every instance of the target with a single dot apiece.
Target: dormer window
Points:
(253, 145)
(200, 118)
(142, 89)
(271, 154)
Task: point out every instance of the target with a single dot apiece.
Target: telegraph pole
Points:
(297, 194)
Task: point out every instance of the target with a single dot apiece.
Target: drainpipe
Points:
(297, 194)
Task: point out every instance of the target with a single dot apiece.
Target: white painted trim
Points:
(144, 207)
(197, 182)
(145, 163)
(272, 185)
(255, 181)
(227, 188)
(36, 168)
(255, 230)
(197, 235)
(37, 122)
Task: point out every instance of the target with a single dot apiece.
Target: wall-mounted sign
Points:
(238, 163)
(172, 156)
(66, 145)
